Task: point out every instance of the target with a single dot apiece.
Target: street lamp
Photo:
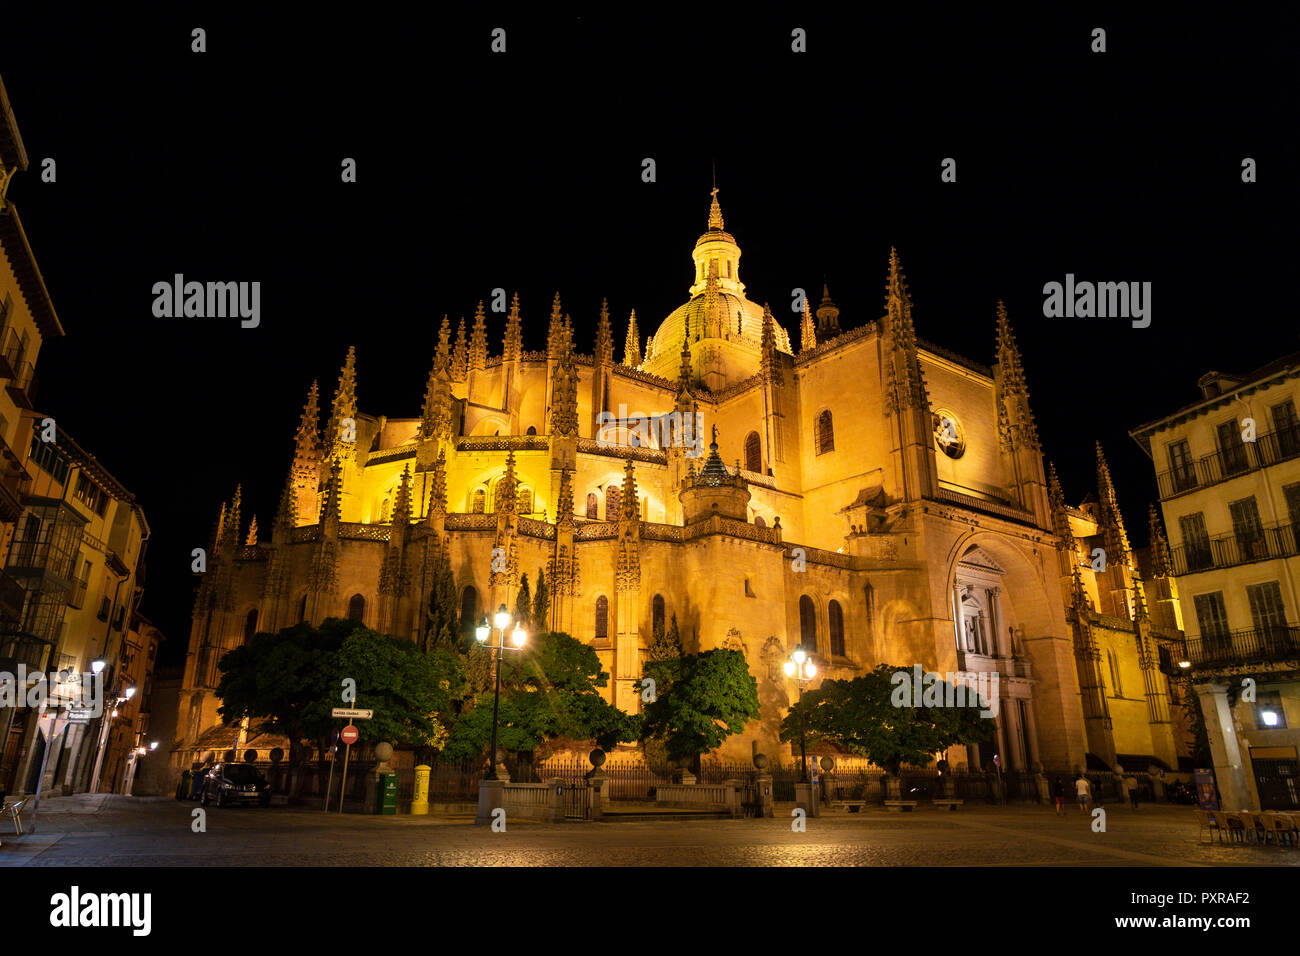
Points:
(127, 694)
(98, 665)
(518, 637)
(801, 670)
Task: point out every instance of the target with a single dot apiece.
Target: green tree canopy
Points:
(524, 604)
(700, 701)
(442, 624)
(860, 716)
(541, 602)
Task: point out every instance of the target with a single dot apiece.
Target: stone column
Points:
(1235, 790)
(1012, 759)
(1000, 647)
(959, 632)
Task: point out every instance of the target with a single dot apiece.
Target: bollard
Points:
(420, 795)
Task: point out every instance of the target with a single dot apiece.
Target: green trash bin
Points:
(387, 803)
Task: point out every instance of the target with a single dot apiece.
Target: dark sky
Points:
(523, 171)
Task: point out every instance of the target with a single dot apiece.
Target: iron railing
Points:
(1244, 646)
(1267, 449)
(1241, 547)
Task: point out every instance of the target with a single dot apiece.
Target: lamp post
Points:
(133, 764)
(518, 637)
(801, 669)
(104, 724)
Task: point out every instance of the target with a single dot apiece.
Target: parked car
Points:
(229, 783)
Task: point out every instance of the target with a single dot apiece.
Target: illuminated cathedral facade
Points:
(867, 496)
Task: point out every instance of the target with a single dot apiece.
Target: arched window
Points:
(302, 609)
(532, 430)
(837, 629)
(611, 503)
(250, 625)
(525, 501)
(807, 624)
(383, 511)
(602, 618)
(593, 503)
(479, 501)
(468, 610)
(357, 608)
(753, 453)
(759, 522)
(825, 432)
(657, 616)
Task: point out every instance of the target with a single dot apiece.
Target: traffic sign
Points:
(348, 735)
(354, 714)
(78, 715)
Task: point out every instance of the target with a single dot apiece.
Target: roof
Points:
(13, 240)
(1287, 366)
(89, 463)
(12, 151)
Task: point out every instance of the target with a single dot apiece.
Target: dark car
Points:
(229, 783)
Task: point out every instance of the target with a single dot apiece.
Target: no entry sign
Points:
(348, 734)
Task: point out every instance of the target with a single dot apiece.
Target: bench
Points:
(853, 806)
(901, 806)
(951, 804)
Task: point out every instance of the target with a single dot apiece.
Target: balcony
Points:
(1244, 646)
(12, 595)
(11, 349)
(1267, 449)
(19, 647)
(1229, 550)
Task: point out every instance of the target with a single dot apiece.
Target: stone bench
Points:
(950, 803)
(853, 806)
(900, 806)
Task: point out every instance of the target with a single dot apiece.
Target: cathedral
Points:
(866, 495)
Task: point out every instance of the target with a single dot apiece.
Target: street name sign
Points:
(354, 714)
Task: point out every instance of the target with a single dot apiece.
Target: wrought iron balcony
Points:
(22, 380)
(1229, 550)
(19, 647)
(1267, 449)
(1244, 646)
(12, 595)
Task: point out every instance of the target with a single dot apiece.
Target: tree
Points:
(541, 602)
(700, 701)
(442, 628)
(861, 717)
(549, 689)
(524, 604)
(666, 644)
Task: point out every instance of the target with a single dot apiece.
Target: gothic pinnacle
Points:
(807, 334)
(604, 337)
(442, 356)
(478, 340)
(632, 345)
(513, 343)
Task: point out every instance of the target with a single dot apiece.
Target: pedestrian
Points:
(1131, 785)
(1083, 789)
(1058, 791)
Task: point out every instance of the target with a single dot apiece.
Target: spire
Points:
(438, 502)
(1115, 536)
(629, 508)
(251, 540)
(828, 315)
(460, 354)
(230, 531)
(218, 531)
(330, 504)
(604, 336)
(807, 333)
(307, 440)
(566, 334)
(442, 357)
(632, 344)
(1162, 561)
(507, 491)
(771, 371)
(344, 406)
(684, 370)
(286, 514)
(402, 500)
(429, 411)
(1060, 520)
(905, 387)
(564, 509)
(649, 347)
(564, 396)
(715, 211)
(478, 340)
(513, 345)
(1015, 420)
(555, 331)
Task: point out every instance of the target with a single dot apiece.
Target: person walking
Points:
(1058, 792)
(1083, 790)
(1131, 785)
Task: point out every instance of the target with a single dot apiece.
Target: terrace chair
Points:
(1235, 826)
(1283, 828)
(14, 809)
(1210, 821)
(1254, 825)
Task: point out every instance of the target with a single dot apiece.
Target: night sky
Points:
(524, 171)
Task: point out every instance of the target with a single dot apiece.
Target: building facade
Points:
(1228, 474)
(865, 495)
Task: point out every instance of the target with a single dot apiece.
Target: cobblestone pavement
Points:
(101, 830)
